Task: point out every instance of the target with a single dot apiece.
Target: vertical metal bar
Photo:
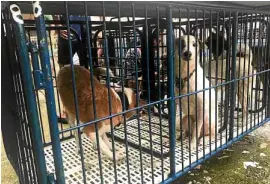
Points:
(248, 64)
(49, 92)
(221, 77)
(258, 65)
(268, 67)
(54, 70)
(149, 96)
(29, 94)
(92, 88)
(262, 76)
(122, 78)
(179, 99)
(222, 89)
(106, 54)
(16, 70)
(159, 96)
(204, 38)
(27, 133)
(137, 90)
(77, 121)
(252, 72)
(267, 82)
(171, 105)
(188, 91)
(238, 76)
(216, 81)
(38, 81)
(227, 77)
(196, 84)
(244, 74)
(209, 58)
(233, 74)
(259, 68)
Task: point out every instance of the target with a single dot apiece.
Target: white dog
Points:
(243, 69)
(191, 76)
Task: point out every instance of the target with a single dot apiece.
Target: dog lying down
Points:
(191, 76)
(85, 106)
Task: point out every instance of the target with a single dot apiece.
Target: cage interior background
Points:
(129, 92)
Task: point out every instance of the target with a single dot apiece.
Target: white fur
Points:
(243, 69)
(191, 84)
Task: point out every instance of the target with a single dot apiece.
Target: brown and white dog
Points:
(85, 105)
(244, 68)
(190, 68)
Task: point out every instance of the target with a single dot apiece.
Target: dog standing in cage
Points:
(244, 68)
(190, 77)
(86, 108)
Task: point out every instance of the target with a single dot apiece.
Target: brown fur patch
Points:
(85, 97)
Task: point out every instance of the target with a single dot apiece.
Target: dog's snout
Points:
(240, 54)
(187, 54)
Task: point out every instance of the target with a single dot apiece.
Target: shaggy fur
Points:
(85, 105)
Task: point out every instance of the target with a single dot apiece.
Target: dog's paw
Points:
(165, 141)
(94, 146)
(193, 145)
(78, 151)
(120, 155)
(120, 150)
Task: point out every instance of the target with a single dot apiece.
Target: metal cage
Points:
(143, 46)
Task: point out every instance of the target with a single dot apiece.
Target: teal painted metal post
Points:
(171, 102)
(233, 74)
(49, 92)
(31, 105)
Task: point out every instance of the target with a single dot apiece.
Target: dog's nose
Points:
(187, 54)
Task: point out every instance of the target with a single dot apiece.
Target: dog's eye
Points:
(194, 45)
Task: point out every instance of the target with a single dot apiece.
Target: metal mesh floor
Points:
(153, 166)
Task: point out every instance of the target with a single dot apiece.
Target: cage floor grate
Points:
(152, 165)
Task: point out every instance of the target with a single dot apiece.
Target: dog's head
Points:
(219, 44)
(101, 57)
(189, 46)
(243, 51)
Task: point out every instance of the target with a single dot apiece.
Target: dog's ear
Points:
(200, 45)
(176, 42)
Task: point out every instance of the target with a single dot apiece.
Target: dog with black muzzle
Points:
(86, 109)
(192, 80)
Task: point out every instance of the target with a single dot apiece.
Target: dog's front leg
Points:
(197, 129)
(107, 141)
(71, 122)
(104, 147)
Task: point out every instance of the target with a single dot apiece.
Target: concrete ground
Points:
(228, 166)
(225, 168)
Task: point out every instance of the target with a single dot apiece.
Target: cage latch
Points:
(38, 75)
(39, 79)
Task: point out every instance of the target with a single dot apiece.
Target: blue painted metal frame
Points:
(209, 155)
(31, 105)
(50, 99)
(233, 74)
(38, 75)
(41, 30)
(171, 101)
